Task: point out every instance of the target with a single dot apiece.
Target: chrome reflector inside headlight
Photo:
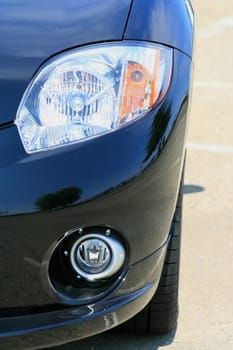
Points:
(90, 91)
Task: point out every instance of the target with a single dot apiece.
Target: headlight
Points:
(90, 91)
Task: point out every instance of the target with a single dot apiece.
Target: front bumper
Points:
(69, 323)
(128, 180)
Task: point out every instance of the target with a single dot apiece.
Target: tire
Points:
(161, 314)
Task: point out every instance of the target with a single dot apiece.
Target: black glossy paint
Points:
(92, 167)
(127, 179)
(166, 21)
(38, 328)
(69, 325)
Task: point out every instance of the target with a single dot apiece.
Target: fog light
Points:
(96, 257)
(93, 255)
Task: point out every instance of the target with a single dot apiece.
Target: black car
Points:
(93, 119)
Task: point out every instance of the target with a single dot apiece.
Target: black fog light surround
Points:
(85, 265)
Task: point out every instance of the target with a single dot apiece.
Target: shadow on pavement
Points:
(189, 189)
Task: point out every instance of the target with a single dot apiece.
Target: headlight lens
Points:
(90, 91)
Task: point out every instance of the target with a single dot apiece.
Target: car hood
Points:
(33, 31)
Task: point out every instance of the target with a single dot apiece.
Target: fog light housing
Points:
(85, 265)
(95, 257)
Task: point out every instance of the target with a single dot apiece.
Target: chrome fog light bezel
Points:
(116, 260)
